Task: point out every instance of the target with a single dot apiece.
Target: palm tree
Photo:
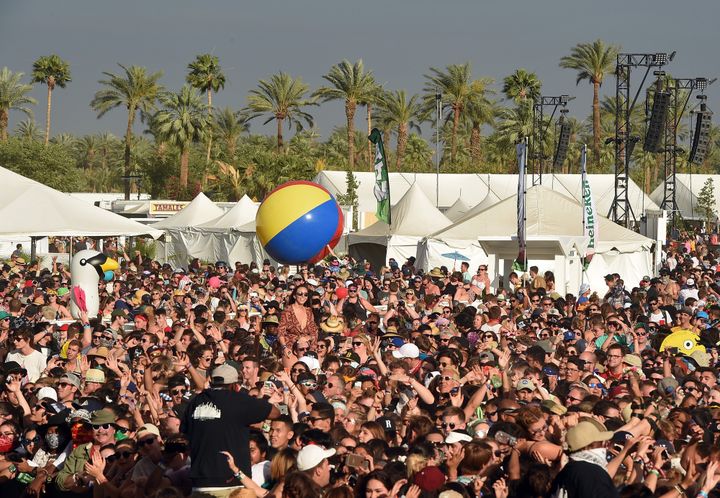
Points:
(228, 125)
(27, 129)
(480, 111)
(455, 85)
(136, 90)
(52, 71)
(207, 76)
(351, 83)
(521, 85)
(182, 120)
(592, 61)
(281, 98)
(13, 97)
(403, 114)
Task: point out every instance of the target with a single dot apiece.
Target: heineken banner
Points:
(521, 261)
(590, 220)
(382, 184)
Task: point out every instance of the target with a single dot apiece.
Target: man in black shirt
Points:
(217, 420)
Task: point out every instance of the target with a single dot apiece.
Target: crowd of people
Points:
(340, 379)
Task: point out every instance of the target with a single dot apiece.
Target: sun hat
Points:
(95, 375)
(104, 416)
(311, 456)
(270, 320)
(332, 325)
(584, 434)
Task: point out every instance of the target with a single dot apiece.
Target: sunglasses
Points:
(301, 294)
(146, 442)
(445, 425)
(356, 344)
(309, 385)
(97, 427)
(447, 378)
(176, 392)
(298, 370)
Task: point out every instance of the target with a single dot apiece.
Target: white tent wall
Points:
(430, 253)
(687, 191)
(632, 266)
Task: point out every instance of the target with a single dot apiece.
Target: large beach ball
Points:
(298, 221)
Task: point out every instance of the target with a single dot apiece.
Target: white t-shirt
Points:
(34, 363)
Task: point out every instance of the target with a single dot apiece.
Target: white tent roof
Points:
(413, 215)
(200, 210)
(471, 188)
(241, 214)
(458, 210)
(29, 208)
(551, 217)
(687, 191)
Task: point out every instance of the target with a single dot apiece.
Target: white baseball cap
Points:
(457, 437)
(47, 392)
(312, 363)
(408, 350)
(311, 456)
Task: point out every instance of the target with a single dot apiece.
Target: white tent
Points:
(29, 208)
(554, 236)
(240, 214)
(458, 210)
(412, 218)
(687, 191)
(472, 188)
(200, 210)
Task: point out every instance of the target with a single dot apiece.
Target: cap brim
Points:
(398, 355)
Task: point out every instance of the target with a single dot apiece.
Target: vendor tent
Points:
(554, 235)
(29, 208)
(242, 213)
(687, 192)
(200, 210)
(413, 217)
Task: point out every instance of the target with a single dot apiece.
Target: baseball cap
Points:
(408, 350)
(4, 315)
(147, 429)
(47, 392)
(584, 434)
(311, 456)
(457, 437)
(70, 378)
(525, 384)
(224, 374)
(430, 478)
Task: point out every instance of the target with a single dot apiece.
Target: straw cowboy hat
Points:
(436, 273)
(332, 325)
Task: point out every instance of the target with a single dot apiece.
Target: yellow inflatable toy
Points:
(685, 341)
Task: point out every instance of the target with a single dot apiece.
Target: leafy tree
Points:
(418, 154)
(135, 91)
(402, 113)
(706, 201)
(281, 98)
(53, 165)
(206, 75)
(456, 86)
(52, 71)
(350, 197)
(521, 85)
(592, 61)
(352, 84)
(182, 120)
(13, 97)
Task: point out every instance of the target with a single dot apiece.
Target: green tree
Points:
(206, 75)
(403, 114)
(592, 61)
(418, 153)
(352, 84)
(228, 126)
(182, 120)
(706, 201)
(521, 85)
(52, 71)
(27, 129)
(281, 98)
(13, 97)
(456, 86)
(135, 91)
(350, 197)
(52, 164)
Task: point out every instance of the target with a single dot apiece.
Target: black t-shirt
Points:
(584, 480)
(217, 420)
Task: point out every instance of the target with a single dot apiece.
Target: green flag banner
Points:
(382, 182)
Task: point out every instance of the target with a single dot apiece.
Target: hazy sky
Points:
(398, 39)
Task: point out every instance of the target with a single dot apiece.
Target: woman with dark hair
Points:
(374, 485)
(297, 321)
(300, 485)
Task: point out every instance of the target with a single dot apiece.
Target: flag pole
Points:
(524, 213)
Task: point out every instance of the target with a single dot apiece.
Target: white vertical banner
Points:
(521, 261)
(590, 219)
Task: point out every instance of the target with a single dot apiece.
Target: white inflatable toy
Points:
(87, 268)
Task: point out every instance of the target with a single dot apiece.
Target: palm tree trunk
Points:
(475, 146)
(369, 130)
(128, 141)
(209, 95)
(3, 125)
(184, 166)
(350, 115)
(47, 118)
(401, 145)
(279, 133)
(456, 123)
(596, 123)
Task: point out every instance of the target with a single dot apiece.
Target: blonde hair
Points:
(283, 463)
(415, 463)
